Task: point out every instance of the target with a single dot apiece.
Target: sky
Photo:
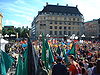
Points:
(20, 13)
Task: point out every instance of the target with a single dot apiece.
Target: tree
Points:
(24, 33)
(18, 30)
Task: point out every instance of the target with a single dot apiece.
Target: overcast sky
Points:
(21, 12)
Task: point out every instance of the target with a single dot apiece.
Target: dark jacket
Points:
(59, 69)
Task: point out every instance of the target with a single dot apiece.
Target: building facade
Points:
(58, 21)
(1, 22)
(92, 28)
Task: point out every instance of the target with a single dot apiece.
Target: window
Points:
(73, 23)
(69, 32)
(60, 32)
(65, 32)
(64, 27)
(69, 27)
(60, 27)
(65, 23)
(40, 24)
(55, 27)
(55, 32)
(73, 19)
(50, 22)
(69, 19)
(51, 32)
(55, 22)
(60, 22)
(69, 23)
(50, 27)
(44, 24)
(72, 27)
(44, 18)
(77, 23)
(78, 19)
(40, 21)
(78, 33)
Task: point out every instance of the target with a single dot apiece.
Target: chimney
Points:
(46, 3)
(66, 4)
(76, 6)
(57, 4)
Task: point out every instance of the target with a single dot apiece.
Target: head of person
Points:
(71, 57)
(90, 65)
(98, 66)
(59, 59)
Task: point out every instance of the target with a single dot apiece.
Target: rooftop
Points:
(61, 9)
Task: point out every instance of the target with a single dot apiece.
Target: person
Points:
(96, 70)
(90, 68)
(59, 68)
(40, 69)
(74, 68)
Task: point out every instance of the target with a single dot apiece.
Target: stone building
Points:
(92, 28)
(58, 21)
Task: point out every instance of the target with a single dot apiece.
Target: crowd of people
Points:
(85, 61)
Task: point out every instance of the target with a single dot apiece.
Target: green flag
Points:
(43, 50)
(5, 62)
(65, 56)
(59, 51)
(25, 62)
(19, 69)
(8, 60)
(49, 56)
(72, 51)
(2, 65)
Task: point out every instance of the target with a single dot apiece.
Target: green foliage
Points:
(8, 31)
(22, 32)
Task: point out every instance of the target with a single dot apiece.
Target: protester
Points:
(59, 68)
(96, 70)
(90, 69)
(74, 68)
